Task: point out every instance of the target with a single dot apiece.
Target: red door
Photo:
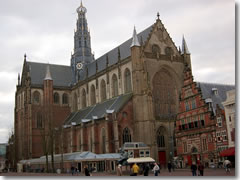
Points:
(162, 158)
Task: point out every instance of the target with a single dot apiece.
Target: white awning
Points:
(140, 160)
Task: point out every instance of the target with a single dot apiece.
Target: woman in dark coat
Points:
(86, 171)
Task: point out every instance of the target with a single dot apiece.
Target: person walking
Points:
(146, 170)
(72, 170)
(156, 169)
(200, 169)
(86, 171)
(169, 166)
(194, 169)
(135, 169)
(119, 170)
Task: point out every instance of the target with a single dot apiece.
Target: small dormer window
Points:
(215, 91)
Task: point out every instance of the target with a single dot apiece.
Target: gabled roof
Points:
(98, 110)
(207, 92)
(61, 75)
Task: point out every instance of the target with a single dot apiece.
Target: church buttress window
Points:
(103, 91)
(36, 97)
(65, 98)
(114, 85)
(93, 95)
(84, 99)
(56, 98)
(126, 135)
(127, 82)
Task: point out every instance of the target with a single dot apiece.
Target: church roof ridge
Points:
(214, 83)
(51, 64)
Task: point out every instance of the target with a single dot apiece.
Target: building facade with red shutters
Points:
(200, 126)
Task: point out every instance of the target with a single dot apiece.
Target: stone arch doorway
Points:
(161, 138)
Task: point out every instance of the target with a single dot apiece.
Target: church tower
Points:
(82, 45)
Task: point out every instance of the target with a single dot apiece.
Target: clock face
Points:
(79, 65)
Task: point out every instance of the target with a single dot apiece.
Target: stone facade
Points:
(130, 94)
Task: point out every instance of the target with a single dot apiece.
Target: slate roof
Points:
(207, 92)
(112, 55)
(99, 110)
(61, 75)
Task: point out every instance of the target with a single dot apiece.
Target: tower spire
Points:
(184, 47)
(135, 41)
(48, 74)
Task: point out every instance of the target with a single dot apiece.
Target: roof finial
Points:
(81, 5)
(135, 41)
(48, 74)
(184, 47)
(25, 57)
(18, 79)
(158, 15)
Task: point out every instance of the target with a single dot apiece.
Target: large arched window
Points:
(39, 120)
(164, 95)
(114, 85)
(103, 91)
(103, 141)
(75, 101)
(36, 97)
(65, 98)
(161, 137)
(93, 95)
(126, 135)
(127, 83)
(56, 98)
(84, 99)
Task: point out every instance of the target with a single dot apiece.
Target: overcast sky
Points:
(43, 29)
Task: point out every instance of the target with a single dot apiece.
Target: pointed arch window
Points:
(161, 137)
(114, 85)
(126, 135)
(84, 99)
(103, 91)
(56, 98)
(75, 101)
(128, 82)
(103, 141)
(93, 95)
(36, 97)
(65, 98)
(39, 120)
(164, 95)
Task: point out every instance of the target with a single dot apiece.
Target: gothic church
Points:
(129, 94)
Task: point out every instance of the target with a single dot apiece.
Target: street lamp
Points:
(171, 149)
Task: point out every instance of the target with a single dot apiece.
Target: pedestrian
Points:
(156, 169)
(169, 166)
(146, 170)
(135, 169)
(119, 170)
(194, 169)
(200, 169)
(72, 170)
(86, 171)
